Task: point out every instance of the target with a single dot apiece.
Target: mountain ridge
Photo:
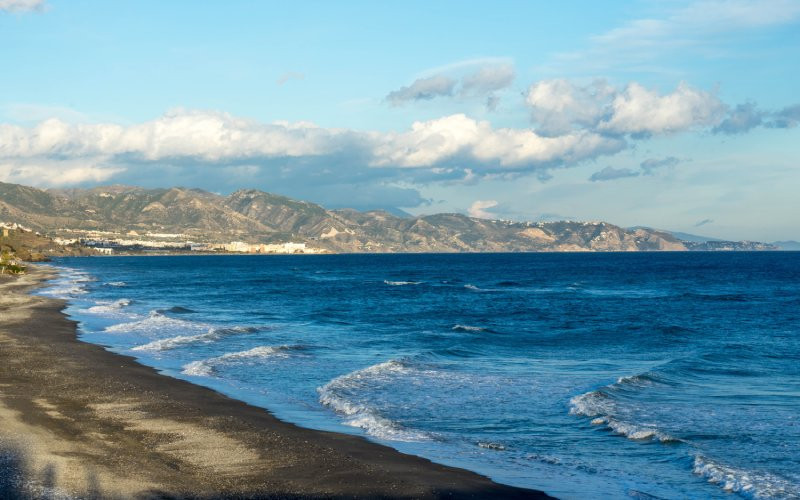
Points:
(253, 216)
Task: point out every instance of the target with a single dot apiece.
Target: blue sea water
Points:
(675, 375)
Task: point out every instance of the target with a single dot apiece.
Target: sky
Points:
(678, 115)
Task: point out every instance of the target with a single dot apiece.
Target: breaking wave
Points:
(154, 324)
(208, 367)
(602, 408)
(401, 283)
(335, 394)
(752, 484)
(211, 335)
(116, 283)
(109, 307)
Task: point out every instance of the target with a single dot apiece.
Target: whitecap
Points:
(602, 408)
(334, 396)
(116, 283)
(753, 484)
(108, 307)
(154, 324)
(177, 341)
(474, 288)
(401, 283)
(469, 328)
(207, 367)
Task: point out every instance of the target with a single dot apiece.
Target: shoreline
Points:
(543, 252)
(78, 419)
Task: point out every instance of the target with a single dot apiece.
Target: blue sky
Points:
(674, 114)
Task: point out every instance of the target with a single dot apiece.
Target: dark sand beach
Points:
(78, 420)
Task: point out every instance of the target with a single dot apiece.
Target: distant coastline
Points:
(129, 219)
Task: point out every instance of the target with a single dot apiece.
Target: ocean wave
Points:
(469, 328)
(753, 484)
(401, 283)
(108, 307)
(474, 288)
(208, 337)
(360, 415)
(154, 324)
(176, 310)
(208, 367)
(116, 283)
(602, 408)
(64, 291)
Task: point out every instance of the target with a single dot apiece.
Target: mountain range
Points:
(258, 217)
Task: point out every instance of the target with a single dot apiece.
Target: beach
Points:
(78, 420)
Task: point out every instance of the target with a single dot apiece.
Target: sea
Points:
(586, 375)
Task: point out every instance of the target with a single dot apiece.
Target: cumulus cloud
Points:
(637, 110)
(478, 209)
(476, 143)
(481, 79)
(21, 5)
(559, 105)
(220, 138)
(610, 173)
(52, 173)
(218, 151)
(650, 165)
(423, 89)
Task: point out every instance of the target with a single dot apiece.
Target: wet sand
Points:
(78, 420)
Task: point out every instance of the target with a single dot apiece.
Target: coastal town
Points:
(133, 243)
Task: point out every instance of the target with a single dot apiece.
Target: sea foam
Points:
(156, 324)
(469, 328)
(212, 335)
(752, 484)
(208, 367)
(602, 408)
(335, 393)
(108, 307)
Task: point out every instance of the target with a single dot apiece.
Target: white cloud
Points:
(212, 138)
(458, 137)
(478, 209)
(558, 106)
(639, 110)
(21, 5)
(55, 173)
